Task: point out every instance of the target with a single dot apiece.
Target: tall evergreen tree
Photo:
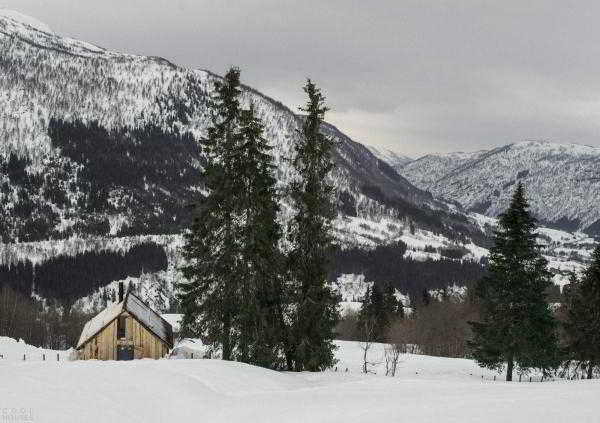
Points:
(516, 325)
(393, 306)
(262, 327)
(582, 326)
(425, 297)
(209, 299)
(234, 293)
(314, 304)
(372, 314)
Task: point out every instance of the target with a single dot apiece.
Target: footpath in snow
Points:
(426, 389)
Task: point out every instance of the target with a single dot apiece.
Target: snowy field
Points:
(426, 389)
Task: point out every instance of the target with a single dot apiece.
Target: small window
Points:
(121, 324)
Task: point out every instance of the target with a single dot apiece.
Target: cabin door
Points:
(125, 352)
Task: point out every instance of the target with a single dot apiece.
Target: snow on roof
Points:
(95, 325)
(174, 320)
(134, 306)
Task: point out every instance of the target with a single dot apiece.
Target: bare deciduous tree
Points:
(392, 357)
(367, 327)
(441, 329)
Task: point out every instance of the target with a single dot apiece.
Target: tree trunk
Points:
(590, 370)
(509, 369)
(285, 332)
(226, 340)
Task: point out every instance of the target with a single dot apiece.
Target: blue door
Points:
(125, 352)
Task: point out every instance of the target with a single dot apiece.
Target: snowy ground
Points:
(427, 389)
(12, 350)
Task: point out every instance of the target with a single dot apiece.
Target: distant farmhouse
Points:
(126, 330)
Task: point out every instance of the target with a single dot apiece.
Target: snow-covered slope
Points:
(562, 181)
(29, 21)
(394, 159)
(432, 167)
(425, 389)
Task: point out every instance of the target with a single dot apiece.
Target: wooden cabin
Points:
(126, 330)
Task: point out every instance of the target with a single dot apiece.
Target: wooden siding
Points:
(103, 346)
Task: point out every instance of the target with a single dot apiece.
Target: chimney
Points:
(120, 291)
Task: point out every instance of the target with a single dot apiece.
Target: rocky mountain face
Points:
(562, 181)
(101, 151)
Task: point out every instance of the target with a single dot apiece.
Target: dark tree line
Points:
(24, 200)
(146, 173)
(385, 264)
(151, 169)
(67, 278)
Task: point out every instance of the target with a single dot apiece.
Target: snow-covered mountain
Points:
(394, 159)
(100, 152)
(103, 143)
(562, 181)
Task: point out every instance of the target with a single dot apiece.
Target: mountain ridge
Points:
(563, 180)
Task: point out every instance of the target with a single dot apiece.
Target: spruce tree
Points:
(425, 297)
(313, 302)
(393, 306)
(262, 327)
(582, 326)
(366, 321)
(516, 325)
(380, 307)
(234, 296)
(209, 298)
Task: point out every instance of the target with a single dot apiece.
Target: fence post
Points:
(57, 357)
(494, 378)
(43, 357)
(520, 377)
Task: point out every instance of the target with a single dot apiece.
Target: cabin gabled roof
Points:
(132, 304)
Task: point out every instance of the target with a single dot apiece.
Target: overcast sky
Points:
(414, 76)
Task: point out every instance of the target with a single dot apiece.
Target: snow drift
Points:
(427, 389)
